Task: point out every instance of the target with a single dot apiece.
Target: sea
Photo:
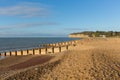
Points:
(11, 44)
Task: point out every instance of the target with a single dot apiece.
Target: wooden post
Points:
(52, 49)
(15, 53)
(10, 53)
(21, 52)
(33, 52)
(27, 51)
(5, 53)
(46, 50)
(59, 49)
(67, 47)
(39, 50)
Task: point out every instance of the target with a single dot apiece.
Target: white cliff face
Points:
(78, 36)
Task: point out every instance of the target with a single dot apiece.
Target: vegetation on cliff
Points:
(99, 33)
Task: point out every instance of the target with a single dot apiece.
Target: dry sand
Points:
(91, 59)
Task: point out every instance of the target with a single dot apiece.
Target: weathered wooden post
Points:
(66, 47)
(39, 50)
(52, 49)
(46, 50)
(15, 53)
(21, 52)
(10, 53)
(5, 54)
(33, 52)
(27, 51)
(59, 48)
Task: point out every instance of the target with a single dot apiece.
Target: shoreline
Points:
(35, 43)
(45, 49)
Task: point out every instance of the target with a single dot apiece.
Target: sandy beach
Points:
(91, 59)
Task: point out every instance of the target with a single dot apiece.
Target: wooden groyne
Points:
(46, 49)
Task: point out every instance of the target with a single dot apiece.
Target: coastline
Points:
(45, 49)
(91, 59)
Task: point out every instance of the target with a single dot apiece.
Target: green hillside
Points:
(99, 33)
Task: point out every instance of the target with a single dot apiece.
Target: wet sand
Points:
(18, 63)
(31, 62)
(91, 59)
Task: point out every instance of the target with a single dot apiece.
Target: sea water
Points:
(9, 44)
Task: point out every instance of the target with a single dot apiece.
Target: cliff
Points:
(78, 36)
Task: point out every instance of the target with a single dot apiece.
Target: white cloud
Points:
(76, 29)
(25, 25)
(28, 34)
(25, 10)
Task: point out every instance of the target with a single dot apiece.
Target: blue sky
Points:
(34, 18)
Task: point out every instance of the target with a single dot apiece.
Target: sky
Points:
(57, 18)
